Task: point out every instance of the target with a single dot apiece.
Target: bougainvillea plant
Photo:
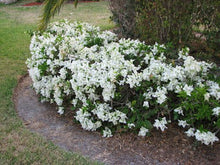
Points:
(123, 85)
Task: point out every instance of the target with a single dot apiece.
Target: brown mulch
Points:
(33, 4)
(169, 147)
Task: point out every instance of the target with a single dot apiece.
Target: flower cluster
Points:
(205, 137)
(124, 84)
(161, 124)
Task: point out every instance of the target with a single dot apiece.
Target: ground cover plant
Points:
(124, 85)
(17, 144)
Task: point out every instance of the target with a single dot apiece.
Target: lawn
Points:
(17, 144)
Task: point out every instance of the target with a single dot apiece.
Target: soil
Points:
(170, 147)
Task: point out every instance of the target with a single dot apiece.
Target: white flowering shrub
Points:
(121, 85)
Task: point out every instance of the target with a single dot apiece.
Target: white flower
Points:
(63, 73)
(206, 96)
(190, 132)
(86, 123)
(192, 66)
(216, 111)
(188, 89)
(214, 89)
(130, 125)
(179, 110)
(146, 104)
(160, 124)
(161, 94)
(143, 131)
(182, 123)
(134, 79)
(61, 110)
(74, 102)
(103, 113)
(107, 132)
(206, 137)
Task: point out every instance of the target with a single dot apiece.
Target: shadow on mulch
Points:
(169, 147)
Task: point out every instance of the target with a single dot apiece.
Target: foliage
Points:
(51, 7)
(39, 0)
(124, 16)
(165, 21)
(168, 21)
(123, 85)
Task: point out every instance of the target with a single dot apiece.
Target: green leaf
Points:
(218, 123)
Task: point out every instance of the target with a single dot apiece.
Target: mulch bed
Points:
(33, 4)
(170, 147)
(40, 3)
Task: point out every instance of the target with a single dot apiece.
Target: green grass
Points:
(17, 144)
(93, 13)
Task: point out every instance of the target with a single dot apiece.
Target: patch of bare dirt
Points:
(170, 147)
